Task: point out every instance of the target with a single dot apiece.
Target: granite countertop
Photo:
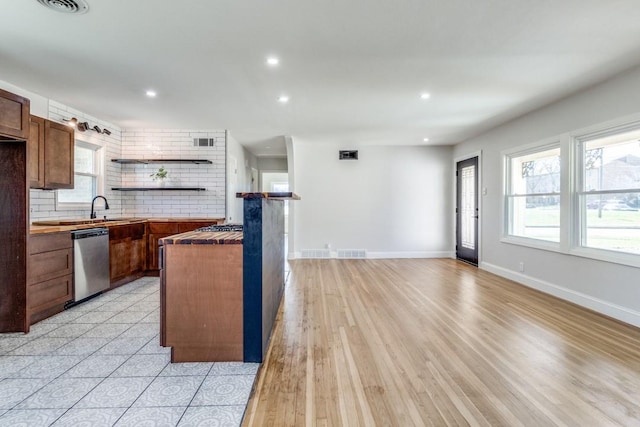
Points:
(55, 226)
(204, 238)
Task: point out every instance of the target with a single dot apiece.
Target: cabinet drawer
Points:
(47, 265)
(49, 242)
(163, 227)
(50, 292)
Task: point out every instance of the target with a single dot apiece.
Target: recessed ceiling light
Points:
(273, 61)
(267, 147)
(283, 99)
(426, 139)
(425, 95)
(151, 93)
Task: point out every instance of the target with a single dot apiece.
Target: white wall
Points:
(174, 144)
(244, 161)
(268, 178)
(392, 202)
(272, 164)
(39, 104)
(610, 288)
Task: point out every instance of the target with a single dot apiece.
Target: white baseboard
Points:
(615, 311)
(418, 254)
(382, 255)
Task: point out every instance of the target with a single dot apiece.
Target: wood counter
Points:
(55, 228)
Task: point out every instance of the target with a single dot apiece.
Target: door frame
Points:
(481, 193)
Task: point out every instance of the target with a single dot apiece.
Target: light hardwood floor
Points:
(438, 342)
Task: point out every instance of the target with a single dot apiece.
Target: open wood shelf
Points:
(158, 189)
(147, 161)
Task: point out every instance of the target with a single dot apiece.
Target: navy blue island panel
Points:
(263, 268)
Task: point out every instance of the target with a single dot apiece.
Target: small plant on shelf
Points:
(160, 175)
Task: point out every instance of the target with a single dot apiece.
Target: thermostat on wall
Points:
(348, 154)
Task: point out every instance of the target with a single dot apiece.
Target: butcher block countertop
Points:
(54, 226)
(204, 238)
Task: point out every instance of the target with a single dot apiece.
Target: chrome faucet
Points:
(106, 205)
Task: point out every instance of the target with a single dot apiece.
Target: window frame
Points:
(507, 156)
(578, 141)
(99, 174)
(572, 216)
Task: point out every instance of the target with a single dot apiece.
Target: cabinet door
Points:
(14, 115)
(138, 255)
(35, 153)
(58, 155)
(153, 250)
(119, 259)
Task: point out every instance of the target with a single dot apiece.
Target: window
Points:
(87, 178)
(532, 197)
(577, 193)
(608, 190)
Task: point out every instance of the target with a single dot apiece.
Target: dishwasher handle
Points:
(92, 232)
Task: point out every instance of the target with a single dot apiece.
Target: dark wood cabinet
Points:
(59, 148)
(127, 253)
(14, 228)
(50, 274)
(158, 230)
(14, 208)
(35, 153)
(14, 116)
(51, 154)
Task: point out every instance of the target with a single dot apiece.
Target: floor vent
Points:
(316, 253)
(352, 253)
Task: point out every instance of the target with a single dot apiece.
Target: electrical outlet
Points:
(327, 245)
(521, 266)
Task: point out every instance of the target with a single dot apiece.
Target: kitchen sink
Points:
(81, 221)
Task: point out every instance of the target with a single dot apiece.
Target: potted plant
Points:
(160, 175)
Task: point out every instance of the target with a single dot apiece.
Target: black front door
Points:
(467, 210)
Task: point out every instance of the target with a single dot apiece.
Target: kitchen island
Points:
(201, 296)
(220, 290)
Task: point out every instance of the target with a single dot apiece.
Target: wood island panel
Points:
(202, 287)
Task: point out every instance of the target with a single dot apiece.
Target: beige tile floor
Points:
(99, 364)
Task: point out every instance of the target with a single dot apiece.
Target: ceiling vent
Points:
(66, 6)
(204, 142)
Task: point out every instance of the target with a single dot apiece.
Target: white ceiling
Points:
(354, 69)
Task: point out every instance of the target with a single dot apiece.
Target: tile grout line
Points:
(195, 394)
(84, 357)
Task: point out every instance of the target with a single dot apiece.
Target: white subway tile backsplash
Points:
(174, 144)
(147, 143)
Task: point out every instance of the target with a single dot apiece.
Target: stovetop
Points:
(222, 227)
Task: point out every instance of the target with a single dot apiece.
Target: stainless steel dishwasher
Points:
(90, 262)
